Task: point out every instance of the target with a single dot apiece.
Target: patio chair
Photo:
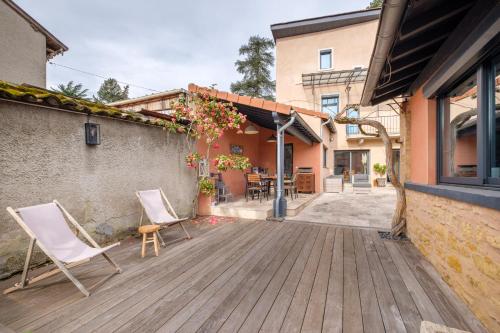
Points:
(256, 185)
(47, 227)
(291, 186)
(361, 183)
(152, 202)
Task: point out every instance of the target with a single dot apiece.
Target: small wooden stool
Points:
(145, 230)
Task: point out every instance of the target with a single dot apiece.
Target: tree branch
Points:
(398, 221)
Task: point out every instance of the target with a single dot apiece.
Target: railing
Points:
(391, 124)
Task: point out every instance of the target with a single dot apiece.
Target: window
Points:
(349, 163)
(352, 129)
(330, 104)
(325, 59)
(459, 130)
(494, 122)
(325, 156)
(469, 129)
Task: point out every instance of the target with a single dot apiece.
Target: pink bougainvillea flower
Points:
(213, 220)
(216, 146)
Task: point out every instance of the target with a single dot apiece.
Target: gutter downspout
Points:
(392, 12)
(324, 123)
(279, 203)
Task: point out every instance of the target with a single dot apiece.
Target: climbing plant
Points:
(207, 119)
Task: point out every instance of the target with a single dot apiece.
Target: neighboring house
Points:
(445, 57)
(321, 65)
(158, 103)
(25, 46)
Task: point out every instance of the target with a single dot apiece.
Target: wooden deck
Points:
(249, 276)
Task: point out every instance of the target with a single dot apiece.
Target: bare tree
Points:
(398, 223)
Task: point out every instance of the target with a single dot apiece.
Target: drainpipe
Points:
(390, 17)
(279, 203)
(324, 123)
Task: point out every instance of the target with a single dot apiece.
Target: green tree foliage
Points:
(72, 90)
(375, 4)
(258, 59)
(110, 91)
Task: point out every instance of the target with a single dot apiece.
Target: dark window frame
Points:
(485, 77)
(330, 96)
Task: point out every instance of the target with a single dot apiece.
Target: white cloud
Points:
(163, 44)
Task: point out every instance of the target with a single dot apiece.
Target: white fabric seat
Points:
(153, 204)
(47, 227)
(50, 228)
(154, 207)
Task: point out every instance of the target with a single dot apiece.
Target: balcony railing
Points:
(391, 124)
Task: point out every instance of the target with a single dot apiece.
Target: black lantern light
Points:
(92, 134)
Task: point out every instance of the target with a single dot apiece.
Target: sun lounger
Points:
(47, 227)
(153, 204)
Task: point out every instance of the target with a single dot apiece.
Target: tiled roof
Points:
(260, 103)
(42, 97)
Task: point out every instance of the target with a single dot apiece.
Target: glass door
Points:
(351, 162)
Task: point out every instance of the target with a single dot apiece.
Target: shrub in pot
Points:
(380, 169)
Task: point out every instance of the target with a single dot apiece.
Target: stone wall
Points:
(462, 241)
(44, 157)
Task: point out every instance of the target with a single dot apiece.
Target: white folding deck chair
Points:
(152, 203)
(47, 227)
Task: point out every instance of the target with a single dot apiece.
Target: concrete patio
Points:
(256, 209)
(369, 210)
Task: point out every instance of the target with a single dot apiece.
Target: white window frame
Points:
(331, 59)
(333, 94)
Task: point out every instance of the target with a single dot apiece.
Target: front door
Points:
(288, 167)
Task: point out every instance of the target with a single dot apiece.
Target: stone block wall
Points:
(44, 157)
(462, 241)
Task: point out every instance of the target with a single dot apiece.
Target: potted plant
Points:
(380, 169)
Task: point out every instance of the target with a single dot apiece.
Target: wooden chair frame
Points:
(256, 186)
(60, 266)
(178, 220)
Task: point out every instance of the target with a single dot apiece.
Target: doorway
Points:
(288, 167)
(351, 162)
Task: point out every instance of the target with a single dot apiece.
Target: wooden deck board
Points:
(249, 276)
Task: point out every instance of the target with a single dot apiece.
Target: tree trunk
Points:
(398, 223)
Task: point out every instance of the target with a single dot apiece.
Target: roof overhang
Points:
(148, 98)
(53, 45)
(260, 112)
(411, 36)
(306, 26)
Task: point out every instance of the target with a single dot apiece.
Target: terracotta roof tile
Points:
(269, 105)
(254, 101)
(257, 102)
(232, 98)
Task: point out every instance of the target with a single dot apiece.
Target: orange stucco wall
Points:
(423, 138)
(465, 151)
(261, 153)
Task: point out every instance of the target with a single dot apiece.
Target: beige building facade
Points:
(321, 65)
(25, 46)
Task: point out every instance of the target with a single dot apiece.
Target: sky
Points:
(163, 45)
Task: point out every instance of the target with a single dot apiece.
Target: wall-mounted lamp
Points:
(92, 134)
(251, 130)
